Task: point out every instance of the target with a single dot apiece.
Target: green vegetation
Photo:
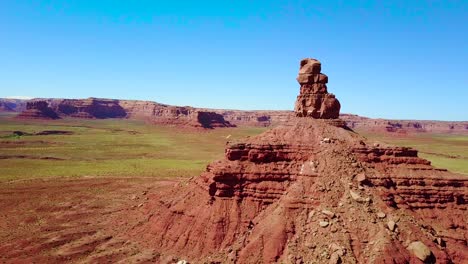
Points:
(443, 150)
(110, 147)
(126, 148)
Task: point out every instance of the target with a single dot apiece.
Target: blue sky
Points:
(390, 59)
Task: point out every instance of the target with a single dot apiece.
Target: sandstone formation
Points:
(314, 100)
(174, 115)
(38, 110)
(95, 108)
(91, 108)
(311, 192)
(265, 202)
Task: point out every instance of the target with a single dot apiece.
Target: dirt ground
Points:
(74, 220)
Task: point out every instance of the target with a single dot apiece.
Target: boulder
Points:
(420, 250)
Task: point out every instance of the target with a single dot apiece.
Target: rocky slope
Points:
(312, 191)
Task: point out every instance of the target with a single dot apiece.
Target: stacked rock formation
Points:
(311, 192)
(38, 110)
(314, 100)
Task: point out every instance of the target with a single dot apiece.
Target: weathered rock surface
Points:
(314, 100)
(38, 110)
(421, 251)
(289, 196)
(257, 202)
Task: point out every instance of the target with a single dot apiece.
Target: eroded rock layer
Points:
(312, 192)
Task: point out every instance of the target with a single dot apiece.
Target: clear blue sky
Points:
(390, 59)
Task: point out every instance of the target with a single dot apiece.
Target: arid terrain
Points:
(101, 180)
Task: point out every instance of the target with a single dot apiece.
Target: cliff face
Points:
(173, 115)
(90, 108)
(38, 110)
(95, 108)
(404, 126)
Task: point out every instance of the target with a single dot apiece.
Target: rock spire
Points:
(314, 100)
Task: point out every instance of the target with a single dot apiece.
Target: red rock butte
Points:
(311, 192)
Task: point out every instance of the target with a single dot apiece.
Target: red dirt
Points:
(77, 220)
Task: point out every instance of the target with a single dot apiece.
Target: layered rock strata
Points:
(311, 192)
(292, 193)
(91, 108)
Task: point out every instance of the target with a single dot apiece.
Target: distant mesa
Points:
(38, 110)
(96, 108)
(91, 108)
(314, 100)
